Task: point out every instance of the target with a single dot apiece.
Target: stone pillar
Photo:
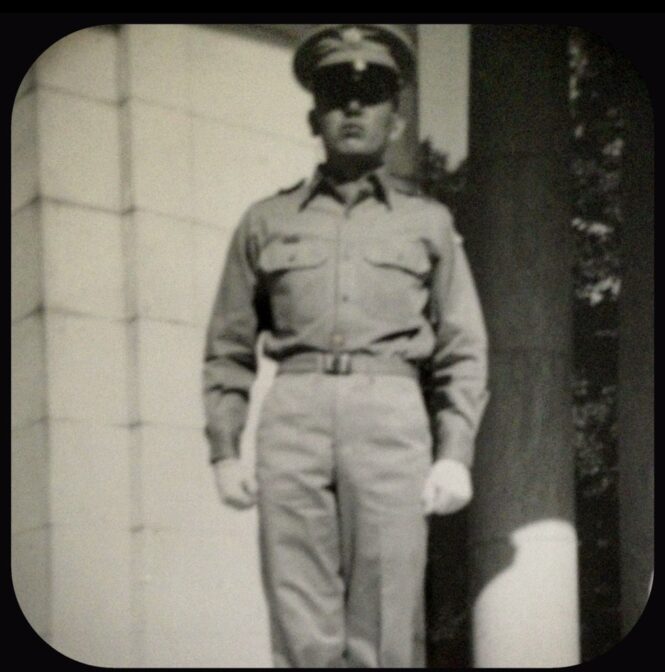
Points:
(70, 434)
(523, 547)
(636, 353)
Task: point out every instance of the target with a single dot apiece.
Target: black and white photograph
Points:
(332, 344)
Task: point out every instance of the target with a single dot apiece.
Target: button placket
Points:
(336, 338)
(346, 271)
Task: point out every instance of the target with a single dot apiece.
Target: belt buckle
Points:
(337, 363)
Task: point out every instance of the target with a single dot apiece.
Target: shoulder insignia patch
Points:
(288, 190)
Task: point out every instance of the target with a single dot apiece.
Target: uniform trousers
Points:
(341, 463)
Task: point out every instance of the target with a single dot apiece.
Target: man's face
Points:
(356, 116)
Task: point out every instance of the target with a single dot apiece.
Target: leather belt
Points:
(343, 363)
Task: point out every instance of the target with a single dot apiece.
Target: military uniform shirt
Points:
(386, 276)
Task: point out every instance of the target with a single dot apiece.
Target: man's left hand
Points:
(447, 488)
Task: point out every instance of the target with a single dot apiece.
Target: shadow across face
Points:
(335, 86)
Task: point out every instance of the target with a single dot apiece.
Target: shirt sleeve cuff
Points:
(225, 429)
(221, 451)
(455, 439)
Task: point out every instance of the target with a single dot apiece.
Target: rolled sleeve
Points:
(459, 360)
(230, 360)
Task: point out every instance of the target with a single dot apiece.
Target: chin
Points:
(351, 148)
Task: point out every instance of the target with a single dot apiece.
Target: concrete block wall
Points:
(135, 151)
(70, 445)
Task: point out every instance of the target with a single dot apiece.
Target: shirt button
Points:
(337, 340)
(345, 297)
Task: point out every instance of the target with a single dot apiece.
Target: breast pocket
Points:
(409, 257)
(294, 276)
(395, 286)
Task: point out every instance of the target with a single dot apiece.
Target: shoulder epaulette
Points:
(288, 190)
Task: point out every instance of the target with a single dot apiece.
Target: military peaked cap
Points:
(358, 45)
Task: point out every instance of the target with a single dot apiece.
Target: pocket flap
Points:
(409, 256)
(284, 256)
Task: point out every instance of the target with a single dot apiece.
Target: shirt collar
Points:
(321, 183)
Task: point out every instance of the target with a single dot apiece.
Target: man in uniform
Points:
(363, 291)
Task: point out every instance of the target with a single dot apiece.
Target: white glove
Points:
(447, 488)
(236, 483)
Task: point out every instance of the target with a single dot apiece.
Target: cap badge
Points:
(352, 35)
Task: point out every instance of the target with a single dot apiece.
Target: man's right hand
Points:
(236, 483)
